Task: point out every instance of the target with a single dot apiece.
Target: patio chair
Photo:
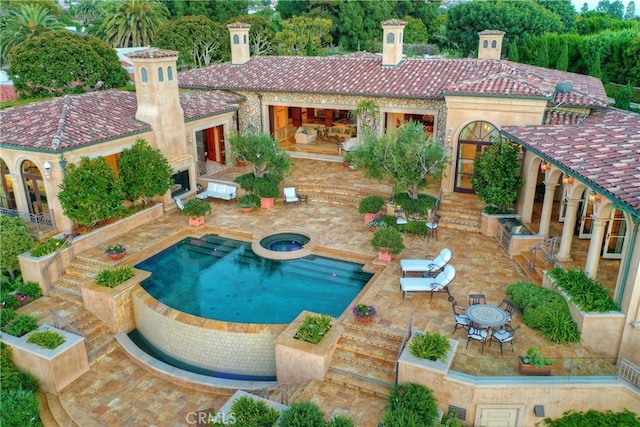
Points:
(179, 203)
(428, 267)
(290, 195)
(509, 307)
(462, 321)
(401, 220)
(477, 299)
(432, 225)
(440, 283)
(477, 333)
(502, 336)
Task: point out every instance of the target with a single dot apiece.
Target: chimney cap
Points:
(393, 22)
(492, 33)
(238, 25)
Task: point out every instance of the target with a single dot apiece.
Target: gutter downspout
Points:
(261, 114)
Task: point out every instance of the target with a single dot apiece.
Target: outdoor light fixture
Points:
(450, 135)
(595, 198)
(544, 166)
(47, 169)
(567, 180)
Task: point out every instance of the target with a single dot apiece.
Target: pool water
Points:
(284, 242)
(222, 279)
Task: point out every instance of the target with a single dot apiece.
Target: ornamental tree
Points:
(405, 156)
(59, 62)
(144, 172)
(495, 178)
(90, 192)
(263, 153)
(16, 239)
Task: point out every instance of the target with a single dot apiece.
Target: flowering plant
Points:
(115, 249)
(378, 222)
(363, 310)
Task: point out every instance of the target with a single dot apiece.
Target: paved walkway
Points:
(117, 392)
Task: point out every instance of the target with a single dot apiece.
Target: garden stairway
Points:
(99, 338)
(333, 194)
(365, 360)
(460, 212)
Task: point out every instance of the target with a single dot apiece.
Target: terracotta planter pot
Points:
(382, 256)
(528, 369)
(368, 217)
(267, 202)
(368, 319)
(246, 209)
(196, 221)
(118, 256)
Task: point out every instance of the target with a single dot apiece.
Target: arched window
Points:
(170, 73)
(245, 39)
(473, 139)
(160, 75)
(236, 39)
(485, 44)
(494, 44)
(143, 75)
(7, 195)
(34, 187)
(391, 38)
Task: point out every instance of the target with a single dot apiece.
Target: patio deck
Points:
(116, 391)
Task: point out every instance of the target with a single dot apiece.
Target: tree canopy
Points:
(199, 40)
(131, 23)
(144, 172)
(60, 62)
(405, 156)
(299, 31)
(16, 239)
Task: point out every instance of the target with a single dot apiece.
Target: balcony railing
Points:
(37, 223)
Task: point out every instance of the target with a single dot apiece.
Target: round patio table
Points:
(487, 315)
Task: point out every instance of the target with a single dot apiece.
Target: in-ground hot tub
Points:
(285, 242)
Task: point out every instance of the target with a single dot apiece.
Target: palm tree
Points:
(132, 23)
(86, 11)
(23, 22)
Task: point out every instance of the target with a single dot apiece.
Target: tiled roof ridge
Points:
(502, 75)
(62, 121)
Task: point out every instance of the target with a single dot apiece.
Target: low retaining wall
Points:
(234, 348)
(44, 270)
(54, 369)
(601, 333)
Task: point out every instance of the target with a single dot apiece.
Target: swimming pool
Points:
(223, 279)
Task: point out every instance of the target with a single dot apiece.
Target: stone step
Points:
(352, 340)
(92, 262)
(288, 393)
(345, 379)
(360, 363)
(371, 333)
(65, 295)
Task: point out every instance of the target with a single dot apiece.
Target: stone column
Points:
(564, 252)
(595, 246)
(547, 207)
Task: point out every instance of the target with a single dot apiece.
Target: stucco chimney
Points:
(490, 44)
(393, 31)
(159, 99)
(239, 33)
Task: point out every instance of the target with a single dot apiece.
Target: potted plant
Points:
(196, 210)
(116, 251)
(533, 363)
(377, 223)
(429, 345)
(364, 312)
(267, 190)
(370, 206)
(388, 242)
(248, 202)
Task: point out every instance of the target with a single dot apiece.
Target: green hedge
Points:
(545, 310)
(410, 405)
(586, 293)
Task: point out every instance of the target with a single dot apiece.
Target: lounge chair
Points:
(428, 267)
(440, 283)
(290, 195)
(179, 203)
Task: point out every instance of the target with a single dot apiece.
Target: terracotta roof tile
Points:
(423, 78)
(200, 105)
(603, 149)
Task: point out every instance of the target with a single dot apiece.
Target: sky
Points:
(593, 3)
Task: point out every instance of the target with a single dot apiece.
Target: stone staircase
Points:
(540, 266)
(365, 360)
(99, 338)
(460, 212)
(333, 194)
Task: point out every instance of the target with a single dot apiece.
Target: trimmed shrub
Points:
(22, 324)
(46, 339)
(249, 412)
(6, 316)
(302, 414)
(411, 398)
(47, 247)
(586, 293)
(313, 328)
(112, 277)
(11, 377)
(371, 204)
(429, 345)
(341, 421)
(20, 408)
(593, 418)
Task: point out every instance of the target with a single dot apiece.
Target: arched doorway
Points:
(34, 188)
(7, 195)
(473, 139)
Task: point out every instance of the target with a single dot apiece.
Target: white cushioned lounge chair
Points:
(428, 267)
(440, 283)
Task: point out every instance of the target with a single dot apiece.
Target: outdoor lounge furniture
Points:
(217, 190)
(428, 267)
(477, 299)
(290, 195)
(179, 203)
(440, 283)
